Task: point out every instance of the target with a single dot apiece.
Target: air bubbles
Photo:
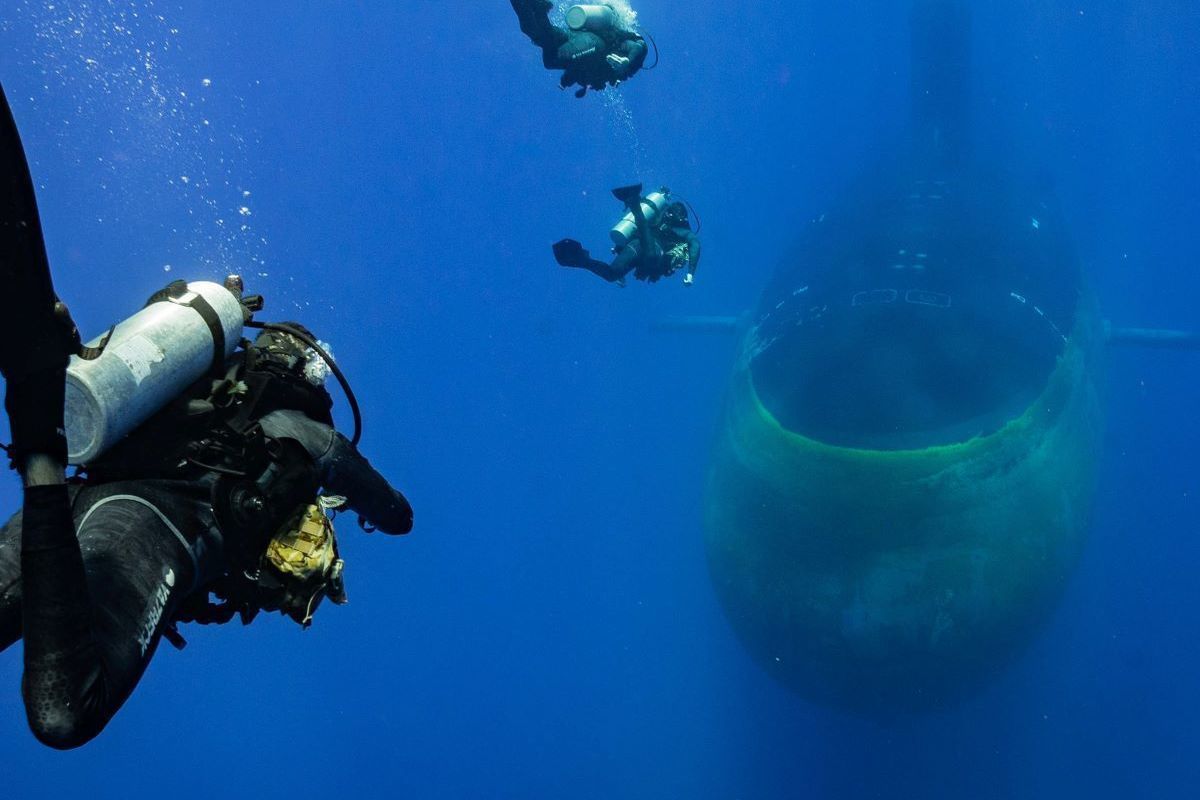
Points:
(141, 113)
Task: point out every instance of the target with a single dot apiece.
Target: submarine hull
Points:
(894, 579)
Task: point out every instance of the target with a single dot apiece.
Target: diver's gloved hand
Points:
(689, 279)
(35, 406)
(619, 64)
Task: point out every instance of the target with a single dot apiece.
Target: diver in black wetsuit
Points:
(658, 247)
(600, 53)
(93, 573)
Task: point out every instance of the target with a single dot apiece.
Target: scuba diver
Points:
(215, 489)
(653, 240)
(594, 51)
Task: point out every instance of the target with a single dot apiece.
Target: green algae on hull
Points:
(880, 580)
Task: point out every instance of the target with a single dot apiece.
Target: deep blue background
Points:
(548, 630)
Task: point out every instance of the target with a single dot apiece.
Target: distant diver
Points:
(214, 493)
(595, 50)
(653, 240)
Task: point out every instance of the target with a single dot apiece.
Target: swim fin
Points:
(32, 337)
(22, 243)
(629, 195)
(570, 253)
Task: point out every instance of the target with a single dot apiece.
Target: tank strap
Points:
(178, 293)
(92, 353)
(212, 319)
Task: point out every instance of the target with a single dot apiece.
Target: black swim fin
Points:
(570, 253)
(33, 335)
(20, 226)
(629, 195)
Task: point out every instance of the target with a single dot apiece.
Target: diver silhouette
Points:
(594, 51)
(653, 240)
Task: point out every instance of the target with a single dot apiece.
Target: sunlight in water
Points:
(620, 118)
(104, 55)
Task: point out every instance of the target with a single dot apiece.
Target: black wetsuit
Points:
(145, 547)
(582, 55)
(92, 575)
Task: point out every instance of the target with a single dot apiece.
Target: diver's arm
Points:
(368, 492)
(344, 471)
(693, 244)
(635, 50)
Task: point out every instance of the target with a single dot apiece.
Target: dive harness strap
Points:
(196, 302)
(177, 292)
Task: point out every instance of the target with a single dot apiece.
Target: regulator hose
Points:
(657, 58)
(282, 327)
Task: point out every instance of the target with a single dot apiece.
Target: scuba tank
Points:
(146, 361)
(591, 17)
(626, 230)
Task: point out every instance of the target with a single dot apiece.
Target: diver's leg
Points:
(570, 253)
(10, 582)
(94, 607)
(625, 261)
(600, 268)
(648, 248)
(631, 197)
(534, 17)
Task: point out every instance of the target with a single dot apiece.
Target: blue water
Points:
(393, 175)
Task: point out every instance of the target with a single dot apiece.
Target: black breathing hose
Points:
(657, 58)
(699, 222)
(333, 367)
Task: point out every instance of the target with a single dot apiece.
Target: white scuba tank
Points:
(626, 229)
(149, 360)
(591, 17)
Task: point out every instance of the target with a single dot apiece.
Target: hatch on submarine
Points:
(907, 458)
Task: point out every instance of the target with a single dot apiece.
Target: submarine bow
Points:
(903, 478)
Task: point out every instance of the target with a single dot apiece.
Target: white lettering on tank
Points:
(154, 610)
(139, 353)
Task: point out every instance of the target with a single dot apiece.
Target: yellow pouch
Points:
(304, 562)
(305, 547)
